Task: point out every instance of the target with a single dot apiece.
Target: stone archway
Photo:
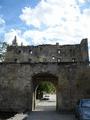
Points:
(40, 77)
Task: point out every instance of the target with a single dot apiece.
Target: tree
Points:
(46, 87)
(3, 49)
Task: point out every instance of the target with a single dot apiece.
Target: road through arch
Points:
(43, 77)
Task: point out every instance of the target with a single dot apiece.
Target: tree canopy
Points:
(46, 87)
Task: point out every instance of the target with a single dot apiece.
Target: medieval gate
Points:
(25, 66)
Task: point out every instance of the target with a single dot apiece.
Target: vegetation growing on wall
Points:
(3, 48)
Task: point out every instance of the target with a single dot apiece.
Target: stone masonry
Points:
(26, 66)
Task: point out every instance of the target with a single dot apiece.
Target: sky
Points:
(37, 22)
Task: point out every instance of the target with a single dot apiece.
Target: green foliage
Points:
(46, 87)
(3, 48)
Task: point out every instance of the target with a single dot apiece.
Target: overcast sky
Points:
(45, 21)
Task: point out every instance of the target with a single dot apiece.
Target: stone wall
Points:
(16, 84)
(14, 81)
(48, 53)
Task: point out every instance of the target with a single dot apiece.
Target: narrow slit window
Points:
(19, 51)
(53, 58)
(15, 60)
(30, 51)
(59, 60)
(73, 59)
(59, 51)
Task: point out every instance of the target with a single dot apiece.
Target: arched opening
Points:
(44, 99)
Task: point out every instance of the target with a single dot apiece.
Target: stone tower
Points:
(14, 42)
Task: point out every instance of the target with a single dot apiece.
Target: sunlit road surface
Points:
(45, 110)
(45, 105)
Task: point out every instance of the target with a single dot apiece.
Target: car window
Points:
(86, 103)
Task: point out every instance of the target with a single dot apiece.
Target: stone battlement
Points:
(48, 53)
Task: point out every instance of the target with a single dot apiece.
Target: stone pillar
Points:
(29, 98)
(63, 93)
(59, 100)
(33, 99)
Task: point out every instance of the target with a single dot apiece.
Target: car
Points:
(46, 97)
(82, 110)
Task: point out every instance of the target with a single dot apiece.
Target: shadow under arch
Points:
(41, 77)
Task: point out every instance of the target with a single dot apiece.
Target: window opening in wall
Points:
(73, 59)
(19, 51)
(59, 51)
(53, 58)
(30, 51)
(15, 60)
(59, 60)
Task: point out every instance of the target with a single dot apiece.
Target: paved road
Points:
(49, 115)
(45, 110)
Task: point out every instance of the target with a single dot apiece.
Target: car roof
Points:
(84, 99)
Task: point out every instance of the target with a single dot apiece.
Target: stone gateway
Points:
(66, 66)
